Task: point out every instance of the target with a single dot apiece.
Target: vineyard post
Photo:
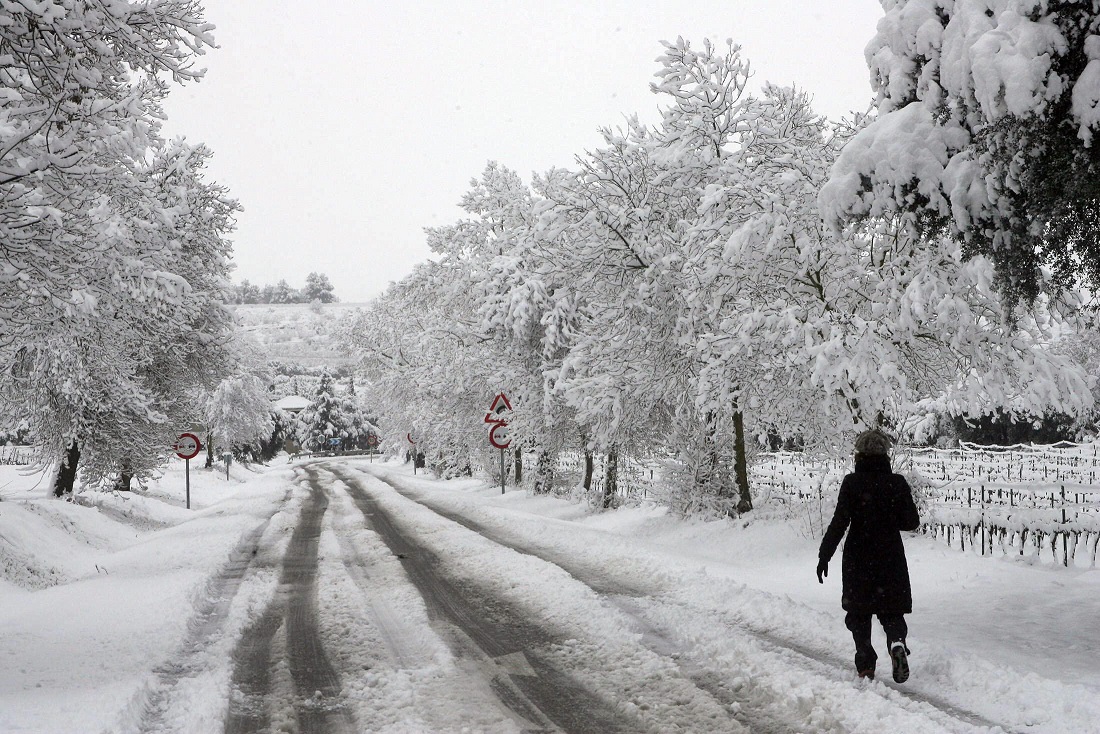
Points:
(1065, 540)
(981, 505)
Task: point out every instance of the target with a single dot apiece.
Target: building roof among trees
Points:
(293, 403)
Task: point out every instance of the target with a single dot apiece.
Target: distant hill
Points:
(296, 332)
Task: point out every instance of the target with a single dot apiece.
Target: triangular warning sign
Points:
(499, 406)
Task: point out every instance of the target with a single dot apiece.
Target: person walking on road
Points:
(873, 507)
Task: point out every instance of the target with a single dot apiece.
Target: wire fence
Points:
(637, 478)
(1024, 499)
(15, 455)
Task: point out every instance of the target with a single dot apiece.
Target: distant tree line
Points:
(317, 288)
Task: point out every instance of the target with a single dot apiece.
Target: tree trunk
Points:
(710, 480)
(66, 473)
(209, 450)
(544, 472)
(611, 478)
(741, 463)
(519, 466)
(589, 463)
(125, 475)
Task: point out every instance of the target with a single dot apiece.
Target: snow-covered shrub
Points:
(812, 514)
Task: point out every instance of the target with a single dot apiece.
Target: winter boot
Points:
(868, 674)
(899, 658)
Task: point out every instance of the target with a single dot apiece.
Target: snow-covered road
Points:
(694, 666)
(343, 596)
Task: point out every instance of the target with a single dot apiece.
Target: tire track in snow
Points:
(204, 626)
(318, 702)
(401, 639)
(660, 641)
(654, 639)
(497, 640)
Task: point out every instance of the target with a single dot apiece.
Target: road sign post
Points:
(498, 429)
(412, 439)
(187, 447)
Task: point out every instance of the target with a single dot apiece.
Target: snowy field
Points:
(296, 332)
(120, 612)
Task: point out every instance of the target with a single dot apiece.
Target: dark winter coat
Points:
(873, 506)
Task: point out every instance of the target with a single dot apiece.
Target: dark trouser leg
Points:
(894, 626)
(860, 627)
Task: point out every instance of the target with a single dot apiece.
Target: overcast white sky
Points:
(347, 126)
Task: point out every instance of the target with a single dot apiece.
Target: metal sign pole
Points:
(187, 447)
(502, 471)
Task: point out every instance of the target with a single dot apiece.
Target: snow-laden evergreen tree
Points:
(318, 288)
(986, 133)
(360, 426)
(326, 419)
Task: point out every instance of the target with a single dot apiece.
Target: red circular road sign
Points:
(372, 440)
(411, 438)
(499, 437)
(187, 446)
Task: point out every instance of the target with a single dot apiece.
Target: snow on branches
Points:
(987, 111)
(114, 258)
(679, 290)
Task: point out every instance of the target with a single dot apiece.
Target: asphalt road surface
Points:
(333, 644)
(513, 654)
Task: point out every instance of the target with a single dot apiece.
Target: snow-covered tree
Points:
(114, 255)
(81, 89)
(239, 413)
(318, 288)
(332, 416)
(281, 292)
(985, 133)
(624, 232)
(681, 290)
(426, 368)
(825, 332)
(122, 367)
(525, 310)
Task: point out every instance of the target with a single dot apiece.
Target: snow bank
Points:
(114, 584)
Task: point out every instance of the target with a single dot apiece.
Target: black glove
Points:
(822, 570)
